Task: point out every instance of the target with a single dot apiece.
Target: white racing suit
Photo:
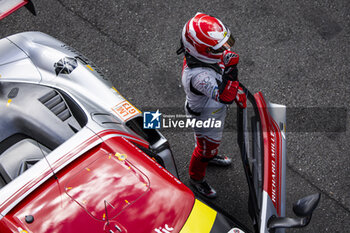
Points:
(201, 85)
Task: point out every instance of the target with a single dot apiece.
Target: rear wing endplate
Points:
(7, 7)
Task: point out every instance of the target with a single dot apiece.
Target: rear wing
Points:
(262, 142)
(7, 7)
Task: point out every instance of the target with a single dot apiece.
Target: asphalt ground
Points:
(295, 52)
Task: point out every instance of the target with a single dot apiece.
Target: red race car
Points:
(75, 157)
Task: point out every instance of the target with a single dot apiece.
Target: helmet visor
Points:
(227, 45)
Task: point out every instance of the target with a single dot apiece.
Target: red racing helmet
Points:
(205, 37)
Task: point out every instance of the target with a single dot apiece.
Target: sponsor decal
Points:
(273, 166)
(274, 173)
(165, 229)
(125, 110)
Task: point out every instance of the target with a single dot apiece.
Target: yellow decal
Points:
(89, 67)
(126, 201)
(115, 90)
(104, 216)
(20, 230)
(218, 110)
(125, 110)
(121, 157)
(225, 33)
(8, 102)
(195, 221)
(68, 188)
(88, 169)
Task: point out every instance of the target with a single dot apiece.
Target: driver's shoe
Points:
(222, 161)
(203, 188)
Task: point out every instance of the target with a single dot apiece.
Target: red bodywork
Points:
(272, 153)
(114, 185)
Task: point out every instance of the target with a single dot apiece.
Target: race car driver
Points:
(209, 78)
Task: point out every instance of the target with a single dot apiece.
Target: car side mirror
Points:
(303, 208)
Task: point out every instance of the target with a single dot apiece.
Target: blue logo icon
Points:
(151, 120)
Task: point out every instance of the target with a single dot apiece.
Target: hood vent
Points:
(54, 101)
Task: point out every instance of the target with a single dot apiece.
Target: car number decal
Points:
(125, 110)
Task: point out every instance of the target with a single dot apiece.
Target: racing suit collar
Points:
(193, 62)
